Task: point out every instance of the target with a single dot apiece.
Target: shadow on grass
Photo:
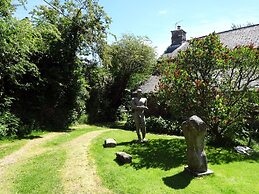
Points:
(171, 153)
(159, 153)
(178, 181)
(29, 137)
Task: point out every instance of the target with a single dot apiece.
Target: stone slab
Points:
(123, 157)
(110, 143)
(198, 174)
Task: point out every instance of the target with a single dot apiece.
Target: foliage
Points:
(9, 124)
(156, 125)
(43, 62)
(17, 73)
(212, 82)
(79, 31)
(131, 57)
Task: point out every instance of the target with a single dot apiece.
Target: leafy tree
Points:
(212, 82)
(71, 31)
(44, 59)
(130, 57)
(18, 40)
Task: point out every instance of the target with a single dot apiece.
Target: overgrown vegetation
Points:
(215, 83)
(132, 59)
(43, 64)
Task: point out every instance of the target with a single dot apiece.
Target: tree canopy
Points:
(132, 59)
(44, 59)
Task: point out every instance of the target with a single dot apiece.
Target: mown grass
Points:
(74, 132)
(42, 174)
(157, 167)
(8, 146)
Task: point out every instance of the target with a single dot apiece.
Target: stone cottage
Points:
(248, 35)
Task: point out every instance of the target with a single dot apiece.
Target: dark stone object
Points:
(123, 157)
(194, 130)
(110, 142)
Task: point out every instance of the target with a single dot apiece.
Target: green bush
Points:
(157, 125)
(83, 119)
(9, 124)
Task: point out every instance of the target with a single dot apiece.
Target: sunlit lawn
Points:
(157, 167)
(40, 174)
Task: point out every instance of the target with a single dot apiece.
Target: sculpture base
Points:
(198, 174)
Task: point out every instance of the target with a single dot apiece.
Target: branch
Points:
(54, 7)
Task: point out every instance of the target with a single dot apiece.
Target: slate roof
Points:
(248, 35)
(242, 36)
(151, 84)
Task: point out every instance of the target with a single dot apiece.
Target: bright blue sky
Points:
(156, 18)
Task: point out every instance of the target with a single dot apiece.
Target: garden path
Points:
(79, 173)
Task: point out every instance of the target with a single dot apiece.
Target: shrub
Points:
(157, 125)
(9, 124)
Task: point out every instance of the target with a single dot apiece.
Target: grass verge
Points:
(75, 132)
(157, 167)
(8, 146)
(41, 174)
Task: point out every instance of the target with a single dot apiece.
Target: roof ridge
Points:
(237, 28)
(226, 31)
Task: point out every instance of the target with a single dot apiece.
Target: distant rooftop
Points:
(244, 36)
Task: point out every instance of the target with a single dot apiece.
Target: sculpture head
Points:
(139, 93)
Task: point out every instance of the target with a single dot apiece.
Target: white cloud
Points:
(162, 12)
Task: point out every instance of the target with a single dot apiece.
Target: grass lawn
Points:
(157, 167)
(42, 173)
(8, 146)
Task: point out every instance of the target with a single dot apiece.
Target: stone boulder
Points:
(109, 143)
(123, 157)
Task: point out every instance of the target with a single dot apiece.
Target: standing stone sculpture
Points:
(194, 130)
(139, 105)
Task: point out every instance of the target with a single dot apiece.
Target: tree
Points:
(18, 40)
(71, 30)
(212, 82)
(130, 56)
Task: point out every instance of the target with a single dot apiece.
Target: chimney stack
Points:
(178, 36)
